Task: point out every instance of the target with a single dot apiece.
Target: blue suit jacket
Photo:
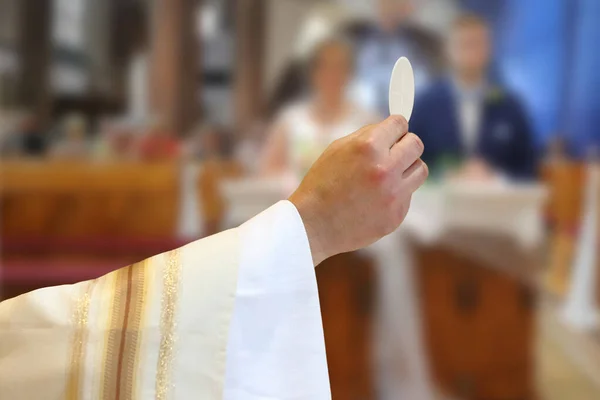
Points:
(505, 140)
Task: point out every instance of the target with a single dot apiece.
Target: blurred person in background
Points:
(208, 142)
(28, 140)
(478, 126)
(380, 44)
(72, 143)
(306, 127)
(116, 141)
(158, 143)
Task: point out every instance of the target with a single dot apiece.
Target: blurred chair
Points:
(565, 180)
(213, 202)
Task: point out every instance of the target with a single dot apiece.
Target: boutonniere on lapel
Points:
(494, 95)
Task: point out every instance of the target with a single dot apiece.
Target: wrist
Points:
(308, 208)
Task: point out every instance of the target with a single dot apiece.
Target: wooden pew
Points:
(209, 192)
(65, 222)
(53, 200)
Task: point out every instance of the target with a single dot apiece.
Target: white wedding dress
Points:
(307, 138)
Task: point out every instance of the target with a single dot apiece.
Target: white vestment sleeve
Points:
(276, 348)
(235, 316)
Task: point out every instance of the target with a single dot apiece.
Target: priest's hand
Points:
(359, 190)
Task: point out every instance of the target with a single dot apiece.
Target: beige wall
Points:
(284, 20)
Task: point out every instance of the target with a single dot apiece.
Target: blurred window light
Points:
(208, 20)
(314, 31)
(68, 25)
(217, 38)
(323, 21)
(138, 86)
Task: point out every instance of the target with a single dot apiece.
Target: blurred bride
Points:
(305, 127)
(301, 132)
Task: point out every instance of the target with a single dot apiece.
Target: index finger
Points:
(391, 130)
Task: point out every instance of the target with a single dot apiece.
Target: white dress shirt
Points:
(470, 103)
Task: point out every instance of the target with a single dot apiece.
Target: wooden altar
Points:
(477, 262)
(347, 285)
(479, 322)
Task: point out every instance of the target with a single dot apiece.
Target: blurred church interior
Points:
(142, 121)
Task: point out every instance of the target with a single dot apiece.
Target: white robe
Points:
(232, 316)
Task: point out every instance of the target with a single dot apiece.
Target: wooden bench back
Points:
(62, 199)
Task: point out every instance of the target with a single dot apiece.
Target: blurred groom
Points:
(468, 121)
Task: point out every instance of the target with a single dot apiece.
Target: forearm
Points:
(307, 206)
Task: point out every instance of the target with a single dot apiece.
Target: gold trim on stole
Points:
(80, 322)
(124, 333)
(170, 294)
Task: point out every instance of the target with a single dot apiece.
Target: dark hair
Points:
(294, 79)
